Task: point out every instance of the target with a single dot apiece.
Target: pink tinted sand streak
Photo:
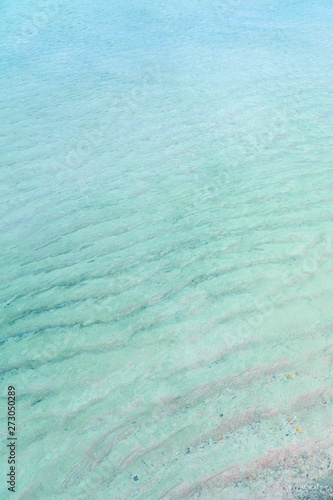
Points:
(284, 457)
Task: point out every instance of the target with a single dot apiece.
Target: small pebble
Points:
(221, 415)
(298, 429)
(136, 478)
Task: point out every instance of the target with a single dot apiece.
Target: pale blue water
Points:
(167, 248)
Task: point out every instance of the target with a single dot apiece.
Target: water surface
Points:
(167, 247)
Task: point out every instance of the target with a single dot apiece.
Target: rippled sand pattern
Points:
(167, 248)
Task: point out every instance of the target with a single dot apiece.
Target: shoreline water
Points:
(166, 264)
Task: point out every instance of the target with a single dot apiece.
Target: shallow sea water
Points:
(167, 248)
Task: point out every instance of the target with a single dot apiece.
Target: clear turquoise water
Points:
(167, 247)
